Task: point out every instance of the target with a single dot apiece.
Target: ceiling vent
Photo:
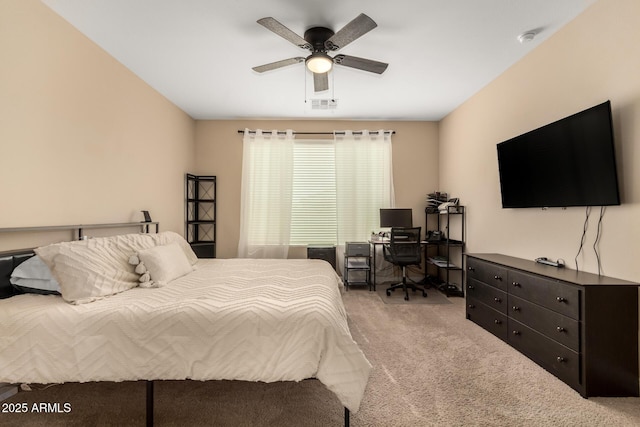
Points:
(324, 104)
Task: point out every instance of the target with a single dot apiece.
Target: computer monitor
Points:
(396, 218)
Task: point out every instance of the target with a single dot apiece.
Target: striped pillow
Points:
(92, 269)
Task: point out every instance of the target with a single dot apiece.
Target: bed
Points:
(223, 319)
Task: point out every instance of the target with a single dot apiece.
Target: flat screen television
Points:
(396, 217)
(570, 162)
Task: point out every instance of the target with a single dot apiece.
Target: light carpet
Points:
(432, 367)
(434, 296)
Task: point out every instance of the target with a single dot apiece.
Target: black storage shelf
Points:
(449, 251)
(200, 214)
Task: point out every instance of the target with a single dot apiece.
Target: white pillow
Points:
(34, 276)
(165, 263)
(166, 237)
(92, 269)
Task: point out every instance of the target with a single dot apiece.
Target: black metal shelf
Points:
(447, 248)
(79, 228)
(200, 214)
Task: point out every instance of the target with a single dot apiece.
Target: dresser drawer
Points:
(493, 297)
(554, 357)
(487, 272)
(554, 295)
(486, 317)
(554, 325)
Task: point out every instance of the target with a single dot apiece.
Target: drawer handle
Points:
(516, 332)
(471, 269)
(470, 287)
(561, 359)
(561, 299)
(497, 322)
(560, 329)
(497, 277)
(496, 299)
(516, 308)
(516, 284)
(471, 306)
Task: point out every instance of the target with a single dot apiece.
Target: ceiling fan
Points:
(320, 41)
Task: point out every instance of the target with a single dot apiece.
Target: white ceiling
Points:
(199, 53)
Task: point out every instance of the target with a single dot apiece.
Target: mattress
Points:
(230, 319)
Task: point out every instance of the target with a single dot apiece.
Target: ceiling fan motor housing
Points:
(317, 36)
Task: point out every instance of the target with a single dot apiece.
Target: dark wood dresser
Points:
(581, 327)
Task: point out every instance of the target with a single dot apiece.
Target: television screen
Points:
(396, 218)
(570, 162)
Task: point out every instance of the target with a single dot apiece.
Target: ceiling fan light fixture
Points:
(319, 62)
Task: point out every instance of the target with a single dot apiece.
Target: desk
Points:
(383, 241)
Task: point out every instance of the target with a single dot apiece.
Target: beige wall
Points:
(82, 139)
(219, 152)
(594, 58)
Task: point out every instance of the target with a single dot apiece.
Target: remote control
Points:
(543, 260)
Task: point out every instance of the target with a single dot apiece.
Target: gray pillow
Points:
(34, 276)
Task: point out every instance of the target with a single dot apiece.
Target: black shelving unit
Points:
(357, 264)
(200, 214)
(444, 249)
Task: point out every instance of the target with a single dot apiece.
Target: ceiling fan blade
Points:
(361, 63)
(284, 32)
(320, 82)
(361, 25)
(278, 64)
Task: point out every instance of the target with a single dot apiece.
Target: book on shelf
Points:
(434, 200)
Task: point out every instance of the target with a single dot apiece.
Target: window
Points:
(313, 204)
(299, 192)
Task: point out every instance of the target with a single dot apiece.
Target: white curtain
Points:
(267, 181)
(364, 183)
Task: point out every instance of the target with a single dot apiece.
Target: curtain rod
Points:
(392, 132)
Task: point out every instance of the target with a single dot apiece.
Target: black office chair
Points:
(404, 249)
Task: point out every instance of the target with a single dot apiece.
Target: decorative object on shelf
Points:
(448, 206)
(147, 216)
(200, 214)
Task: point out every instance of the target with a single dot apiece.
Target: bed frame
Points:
(9, 260)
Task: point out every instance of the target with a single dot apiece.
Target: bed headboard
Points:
(9, 261)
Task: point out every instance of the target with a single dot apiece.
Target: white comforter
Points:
(234, 319)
